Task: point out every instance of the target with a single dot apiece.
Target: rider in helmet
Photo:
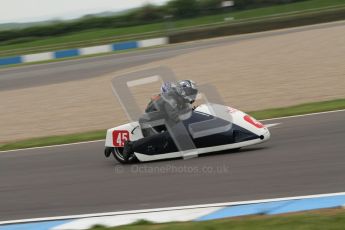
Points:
(179, 96)
(188, 90)
(172, 105)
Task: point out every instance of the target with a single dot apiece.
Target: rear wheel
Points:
(118, 154)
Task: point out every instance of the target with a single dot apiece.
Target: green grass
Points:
(288, 8)
(103, 36)
(100, 134)
(300, 109)
(314, 220)
(54, 140)
(99, 36)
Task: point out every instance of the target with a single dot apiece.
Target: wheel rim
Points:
(119, 153)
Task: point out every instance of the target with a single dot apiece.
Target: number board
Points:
(120, 137)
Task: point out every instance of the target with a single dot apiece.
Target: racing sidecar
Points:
(211, 128)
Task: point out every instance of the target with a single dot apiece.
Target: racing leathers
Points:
(164, 111)
(168, 108)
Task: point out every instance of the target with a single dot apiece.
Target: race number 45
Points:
(120, 137)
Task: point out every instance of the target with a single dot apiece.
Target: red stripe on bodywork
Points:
(252, 121)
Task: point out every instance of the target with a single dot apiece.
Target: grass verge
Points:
(260, 24)
(54, 140)
(314, 107)
(100, 134)
(313, 220)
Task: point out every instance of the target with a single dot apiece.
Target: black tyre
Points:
(117, 152)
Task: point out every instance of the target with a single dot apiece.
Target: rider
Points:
(171, 106)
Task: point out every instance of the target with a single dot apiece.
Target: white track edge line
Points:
(272, 125)
(304, 115)
(51, 146)
(168, 208)
(85, 142)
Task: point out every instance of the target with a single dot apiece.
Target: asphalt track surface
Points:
(74, 70)
(305, 156)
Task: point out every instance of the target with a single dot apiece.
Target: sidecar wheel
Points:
(118, 154)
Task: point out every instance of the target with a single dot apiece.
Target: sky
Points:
(40, 10)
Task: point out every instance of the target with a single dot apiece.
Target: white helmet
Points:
(188, 89)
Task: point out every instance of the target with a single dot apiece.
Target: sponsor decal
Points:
(120, 137)
(252, 121)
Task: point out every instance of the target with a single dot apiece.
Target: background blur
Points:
(73, 24)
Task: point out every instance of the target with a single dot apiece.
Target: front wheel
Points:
(118, 154)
